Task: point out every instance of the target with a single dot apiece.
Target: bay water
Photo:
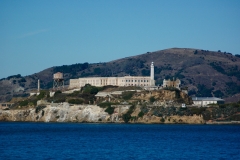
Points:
(21, 140)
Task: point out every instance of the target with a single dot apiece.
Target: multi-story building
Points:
(171, 83)
(205, 101)
(115, 81)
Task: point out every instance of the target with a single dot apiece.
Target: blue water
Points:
(118, 141)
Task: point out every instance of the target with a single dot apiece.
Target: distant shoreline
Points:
(131, 123)
(224, 122)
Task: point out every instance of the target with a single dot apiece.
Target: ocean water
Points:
(118, 141)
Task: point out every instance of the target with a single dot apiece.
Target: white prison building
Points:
(115, 81)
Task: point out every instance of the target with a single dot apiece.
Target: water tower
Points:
(58, 81)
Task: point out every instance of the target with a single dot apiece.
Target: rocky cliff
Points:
(56, 113)
(115, 105)
(89, 113)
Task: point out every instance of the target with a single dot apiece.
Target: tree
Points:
(110, 110)
(237, 55)
(126, 117)
(152, 99)
(140, 114)
(195, 52)
(97, 70)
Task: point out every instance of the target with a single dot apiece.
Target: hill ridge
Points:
(205, 73)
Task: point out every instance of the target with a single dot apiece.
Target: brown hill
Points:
(205, 73)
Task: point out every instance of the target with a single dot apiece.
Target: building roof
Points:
(206, 99)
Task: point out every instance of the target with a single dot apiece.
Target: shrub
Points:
(217, 67)
(90, 89)
(74, 94)
(41, 95)
(126, 117)
(232, 88)
(57, 92)
(23, 103)
(140, 114)
(171, 89)
(162, 120)
(75, 101)
(97, 70)
(127, 95)
(218, 93)
(105, 104)
(145, 72)
(152, 99)
(203, 91)
(14, 76)
(39, 108)
(59, 100)
(197, 111)
(109, 110)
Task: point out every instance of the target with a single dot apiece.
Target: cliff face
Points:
(162, 96)
(195, 119)
(89, 113)
(61, 113)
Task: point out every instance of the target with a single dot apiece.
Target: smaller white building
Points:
(204, 101)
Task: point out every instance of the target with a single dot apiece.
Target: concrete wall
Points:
(115, 81)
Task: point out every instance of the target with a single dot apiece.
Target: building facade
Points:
(171, 83)
(115, 81)
(205, 101)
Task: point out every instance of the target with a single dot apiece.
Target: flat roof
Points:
(206, 99)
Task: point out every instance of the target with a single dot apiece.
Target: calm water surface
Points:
(118, 141)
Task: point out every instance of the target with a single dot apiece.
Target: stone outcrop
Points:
(89, 113)
(161, 96)
(60, 113)
(172, 119)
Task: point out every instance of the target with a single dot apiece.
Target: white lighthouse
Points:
(152, 75)
(38, 85)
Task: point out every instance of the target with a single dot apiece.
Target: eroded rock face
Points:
(92, 113)
(170, 120)
(61, 113)
(162, 96)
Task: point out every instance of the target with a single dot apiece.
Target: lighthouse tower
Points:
(152, 75)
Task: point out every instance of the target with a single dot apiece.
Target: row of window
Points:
(136, 85)
(136, 80)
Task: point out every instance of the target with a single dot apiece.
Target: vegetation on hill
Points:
(205, 73)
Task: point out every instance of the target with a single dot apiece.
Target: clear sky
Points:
(38, 34)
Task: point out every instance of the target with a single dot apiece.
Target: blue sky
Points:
(35, 35)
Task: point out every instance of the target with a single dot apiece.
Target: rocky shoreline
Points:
(90, 114)
(160, 107)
